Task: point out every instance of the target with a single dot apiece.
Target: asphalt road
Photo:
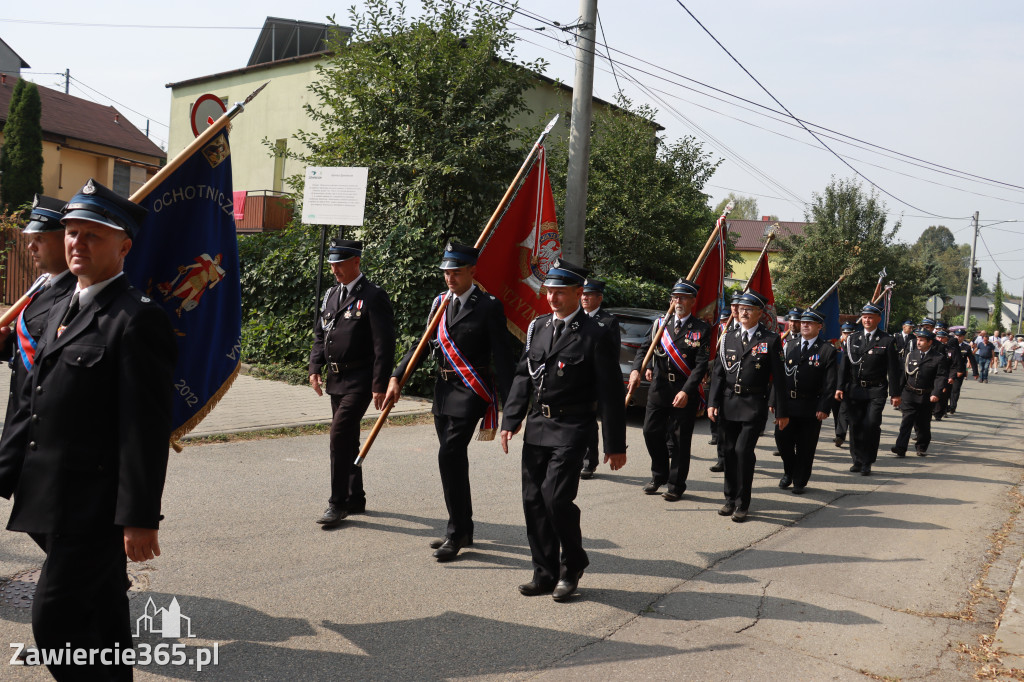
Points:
(863, 575)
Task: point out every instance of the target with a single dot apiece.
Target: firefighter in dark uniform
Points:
(723, 326)
(45, 235)
(354, 342)
(474, 372)
(792, 326)
(966, 357)
(677, 370)
(592, 298)
(870, 375)
(569, 372)
(749, 363)
(839, 412)
(90, 444)
(921, 384)
(954, 367)
(906, 338)
(927, 324)
(809, 393)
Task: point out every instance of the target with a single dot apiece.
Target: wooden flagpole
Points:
(436, 319)
(698, 264)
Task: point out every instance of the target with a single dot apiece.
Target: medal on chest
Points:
(561, 365)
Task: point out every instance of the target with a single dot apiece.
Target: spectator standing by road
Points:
(1006, 353)
(985, 351)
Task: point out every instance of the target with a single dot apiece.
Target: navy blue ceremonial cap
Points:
(942, 333)
(925, 334)
(928, 320)
(457, 255)
(908, 323)
(941, 325)
(723, 316)
(848, 327)
(794, 315)
(685, 286)
(871, 309)
(45, 215)
(594, 285)
(98, 204)
(565, 274)
(343, 249)
(960, 332)
(810, 315)
(753, 299)
(736, 298)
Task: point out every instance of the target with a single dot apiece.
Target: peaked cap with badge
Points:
(96, 203)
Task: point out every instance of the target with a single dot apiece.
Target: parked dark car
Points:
(634, 324)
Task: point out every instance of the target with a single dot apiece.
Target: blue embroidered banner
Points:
(829, 309)
(185, 258)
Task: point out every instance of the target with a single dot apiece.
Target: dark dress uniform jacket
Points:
(924, 375)
(480, 332)
(879, 366)
(589, 375)
(956, 357)
(810, 385)
(755, 367)
(354, 340)
(100, 396)
(36, 314)
(694, 344)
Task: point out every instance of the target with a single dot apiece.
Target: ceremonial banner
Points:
(886, 308)
(761, 282)
(829, 309)
(185, 258)
(515, 260)
(711, 280)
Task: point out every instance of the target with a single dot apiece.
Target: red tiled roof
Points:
(74, 117)
(752, 232)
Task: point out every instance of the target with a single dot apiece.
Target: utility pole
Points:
(1020, 309)
(579, 135)
(67, 80)
(970, 274)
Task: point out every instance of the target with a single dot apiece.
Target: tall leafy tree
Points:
(945, 261)
(647, 214)
(21, 157)
(428, 104)
(745, 208)
(848, 230)
(997, 306)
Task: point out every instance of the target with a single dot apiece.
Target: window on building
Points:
(122, 179)
(280, 149)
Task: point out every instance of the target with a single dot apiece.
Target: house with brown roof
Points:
(84, 139)
(750, 240)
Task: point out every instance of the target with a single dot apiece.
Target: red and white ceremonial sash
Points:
(673, 352)
(26, 344)
(470, 377)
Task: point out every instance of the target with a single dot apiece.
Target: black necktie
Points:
(806, 346)
(344, 293)
(458, 305)
(746, 338)
(678, 325)
(559, 324)
(69, 315)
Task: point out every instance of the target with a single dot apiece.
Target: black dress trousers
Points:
(346, 478)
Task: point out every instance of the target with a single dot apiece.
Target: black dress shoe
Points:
(922, 453)
(448, 550)
(776, 454)
(357, 507)
(855, 469)
(534, 589)
(739, 516)
(713, 441)
(717, 468)
(434, 544)
(332, 516)
(587, 474)
(727, 509)
(785, 481)
(839, 441)
(565, 587)
(652, 487)
(865, 470)
(672, 496)
(896, 451)
(799, 489)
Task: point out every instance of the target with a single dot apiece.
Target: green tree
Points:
(997, 306)
(945, 263)
(745, 208)
(848, 231)
(647, 214)
(21, 157)
(427, 104)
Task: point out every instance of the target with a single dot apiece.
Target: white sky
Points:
(935, 79)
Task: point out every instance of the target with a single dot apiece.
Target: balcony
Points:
(264, 211)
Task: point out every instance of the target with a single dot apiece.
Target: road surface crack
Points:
(760, 608)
